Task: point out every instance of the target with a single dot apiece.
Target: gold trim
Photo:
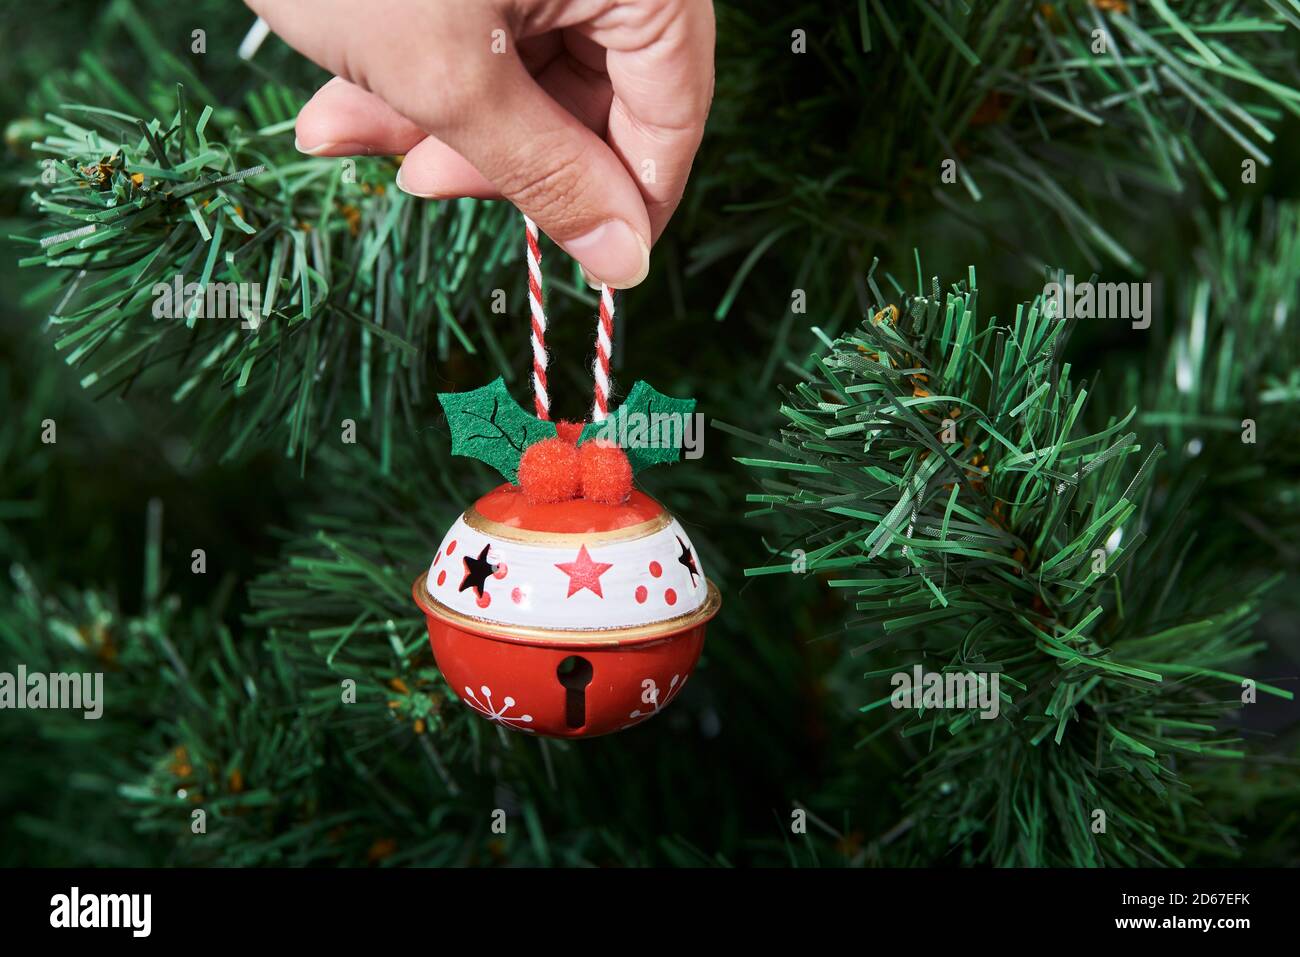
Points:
(495, 529)
(528, 635)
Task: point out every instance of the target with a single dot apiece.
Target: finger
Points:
(416, 56)
(661, 96)
(433, 170)
(561, 174)
(583, 91)
(344, 120)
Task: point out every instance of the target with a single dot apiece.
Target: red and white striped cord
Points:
(604, 336)
(604, 348)
(541, 398)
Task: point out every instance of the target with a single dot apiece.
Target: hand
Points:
(585, 114)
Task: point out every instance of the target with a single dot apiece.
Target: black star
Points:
(477, 571)
(687, 559)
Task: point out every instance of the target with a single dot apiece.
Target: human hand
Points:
(585, 114)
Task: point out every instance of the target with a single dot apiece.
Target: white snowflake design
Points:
(674, 687)
(488, 709)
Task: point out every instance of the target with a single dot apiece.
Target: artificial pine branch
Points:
(199, 197)
(943, 473)
(1058, 139)
(1231, 370)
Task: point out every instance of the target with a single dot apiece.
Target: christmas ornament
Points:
(566, 602)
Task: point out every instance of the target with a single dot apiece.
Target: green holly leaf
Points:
(652, 428)
(488, 424)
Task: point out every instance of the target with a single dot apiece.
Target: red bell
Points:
(567, 619)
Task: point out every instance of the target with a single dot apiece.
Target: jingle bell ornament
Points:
(566, 602)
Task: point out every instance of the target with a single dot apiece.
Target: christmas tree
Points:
(940, 443)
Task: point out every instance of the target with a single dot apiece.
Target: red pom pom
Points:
(548, 471)
(569, 431)
(606, 472)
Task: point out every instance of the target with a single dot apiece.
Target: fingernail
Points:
(310, 150)
(406, 189)
(332, 149)
(613, 252)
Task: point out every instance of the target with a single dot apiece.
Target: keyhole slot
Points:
(574, 673)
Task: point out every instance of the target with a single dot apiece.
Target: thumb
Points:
(557, 171)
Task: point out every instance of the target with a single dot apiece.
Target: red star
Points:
(584, 573)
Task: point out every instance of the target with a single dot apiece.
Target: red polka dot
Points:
(437, 557)
(442, 576)
(641, 594)
(500, 571)
(656, 569)
(484, 600)
(517, 595)
(670, 596)
(452, 547)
